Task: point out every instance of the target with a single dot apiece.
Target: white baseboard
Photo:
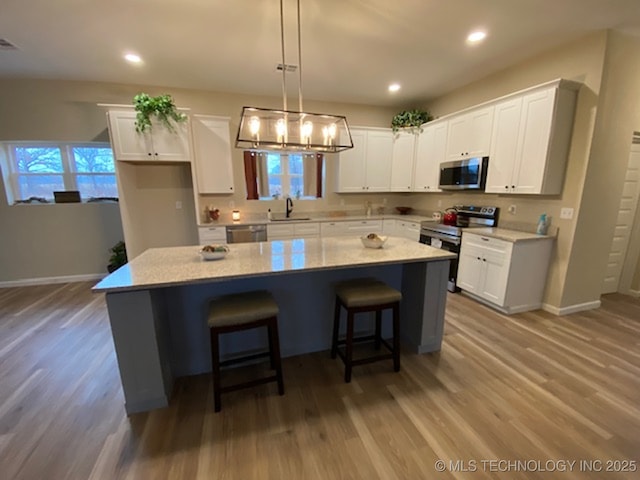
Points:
(47, 280)
(580, 307)
(634, 293)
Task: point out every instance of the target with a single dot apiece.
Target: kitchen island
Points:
(158, 302)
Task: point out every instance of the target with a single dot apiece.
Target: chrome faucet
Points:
(289, 206)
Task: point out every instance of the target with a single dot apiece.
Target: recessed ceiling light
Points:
(394, 87)
(477, 36)
(132, 58)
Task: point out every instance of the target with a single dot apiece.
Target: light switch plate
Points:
(566, 213)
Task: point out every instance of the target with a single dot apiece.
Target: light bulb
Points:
(332, 131)
(305, 131)
(254, 125)
(281, 129)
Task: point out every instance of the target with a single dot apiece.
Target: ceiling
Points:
(351, 49)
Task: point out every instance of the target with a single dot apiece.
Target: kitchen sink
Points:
(290, 219)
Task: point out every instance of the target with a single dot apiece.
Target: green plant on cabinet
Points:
(161, 107)
(410, 119)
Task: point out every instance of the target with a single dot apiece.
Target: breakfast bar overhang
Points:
(158, 302)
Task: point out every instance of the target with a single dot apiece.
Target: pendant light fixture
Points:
(268, 129)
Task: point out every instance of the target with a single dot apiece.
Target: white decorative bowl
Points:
(220, 251)
(377, 242)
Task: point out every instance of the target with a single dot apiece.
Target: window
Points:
(34, 170)
(274, 175)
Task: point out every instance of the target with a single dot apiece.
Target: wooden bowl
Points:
(404, 210)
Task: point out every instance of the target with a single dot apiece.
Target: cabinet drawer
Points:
(368, 226)
(280, 230)
(307, 229)
(208, 235)
(483, 242)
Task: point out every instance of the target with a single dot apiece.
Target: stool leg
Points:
(215, 369)
(396, 337)
(378, 329)
(348, 357)
(274, 348)
(336, 328)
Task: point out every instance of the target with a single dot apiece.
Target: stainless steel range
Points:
(448, 237)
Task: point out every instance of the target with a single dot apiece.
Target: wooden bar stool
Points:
(243, 311)
(366, 295)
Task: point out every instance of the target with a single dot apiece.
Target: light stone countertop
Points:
(512, 236)
(163, 267)
(257, 220)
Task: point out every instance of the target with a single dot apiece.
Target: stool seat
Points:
(365, 295)
(240, 308)
(237, 312)
(366, 292)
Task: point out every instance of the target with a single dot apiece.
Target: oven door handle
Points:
(444, 238)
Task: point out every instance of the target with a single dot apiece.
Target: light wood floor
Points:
(530, 387)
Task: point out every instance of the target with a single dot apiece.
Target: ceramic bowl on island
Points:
(373, 240)
(214, 252)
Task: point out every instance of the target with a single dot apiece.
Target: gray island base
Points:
(158, 303)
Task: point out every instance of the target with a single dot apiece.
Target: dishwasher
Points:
(246, 233)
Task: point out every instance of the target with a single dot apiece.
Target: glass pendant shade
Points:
(263, 128)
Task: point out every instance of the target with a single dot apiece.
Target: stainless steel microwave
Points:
(467, 174)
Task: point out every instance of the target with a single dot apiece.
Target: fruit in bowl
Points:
(373, 240)
(214, 252)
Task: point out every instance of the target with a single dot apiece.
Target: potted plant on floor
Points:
(410, 119)
(118, 257)
(162, 108)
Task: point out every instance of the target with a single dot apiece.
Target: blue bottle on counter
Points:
(543, 224)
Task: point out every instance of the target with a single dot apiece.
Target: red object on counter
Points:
(450, 217)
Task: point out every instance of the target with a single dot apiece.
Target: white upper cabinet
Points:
(430, 152)
(404, 144)
(367, 166)
(158, 145)
(470, 134)
(212, 154)
(530, 142)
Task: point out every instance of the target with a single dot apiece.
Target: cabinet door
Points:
(469, 269)
(351, 164)
(535, 133)
(389, 226)
(212, 154)
(470, 134)
(496, 273)
(208, 235)
(334, 229)
(402, 162)
(480, 126)
(378, 161)
(126, 142)
(361, 227)
(504, 146)
(306, 230)
(431, 147)
(171, 145)
(410, 230)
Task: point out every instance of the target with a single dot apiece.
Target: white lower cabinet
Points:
(290, 231)
(350, 228)
(410, 230)
(209, 235)
(507, 275)
(389, 226)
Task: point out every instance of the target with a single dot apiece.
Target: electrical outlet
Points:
(178, 205)
(566, 213)
(512, 209)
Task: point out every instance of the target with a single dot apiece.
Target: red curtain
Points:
(251, 174)
(319, 160)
